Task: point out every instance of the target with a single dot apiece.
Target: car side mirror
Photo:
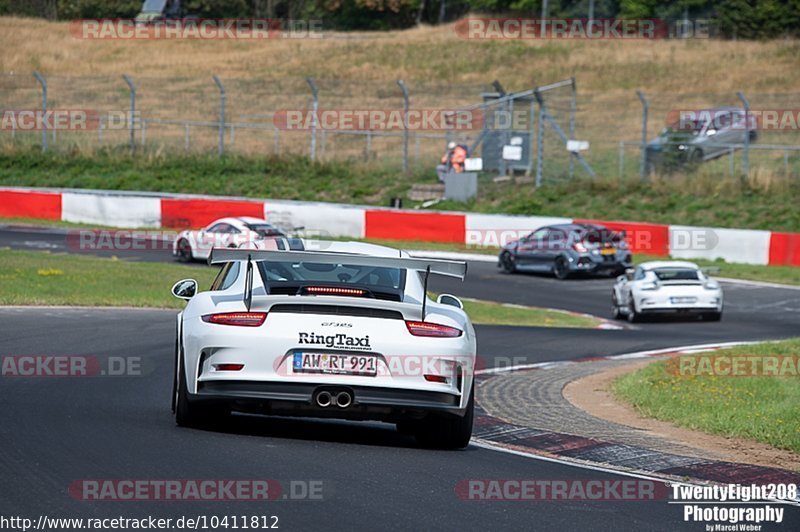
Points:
(629, 274)
(447, 299)
(185, 289)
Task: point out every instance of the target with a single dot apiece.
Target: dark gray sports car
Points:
(567, 249)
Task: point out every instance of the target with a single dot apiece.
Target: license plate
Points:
(608, 251)
(334, 363)
(682, 300)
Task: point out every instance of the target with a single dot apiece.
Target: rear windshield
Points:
(601, 236)
(675, 274)
(154, 5)
(290, 277)
(694, 125)
(265, 229)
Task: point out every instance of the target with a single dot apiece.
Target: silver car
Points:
(704, 135)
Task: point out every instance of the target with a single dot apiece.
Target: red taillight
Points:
(228, 367)
(334, 291)
(242, 319)
(424, 328)
(579, 247)
(436, 378)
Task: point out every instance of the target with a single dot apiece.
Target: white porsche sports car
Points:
(347, 333)
(666, 287)
(223, 233)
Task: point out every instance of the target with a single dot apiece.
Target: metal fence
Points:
(215, 114)
(775, 151)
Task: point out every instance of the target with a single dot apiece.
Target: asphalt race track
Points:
(58, 430)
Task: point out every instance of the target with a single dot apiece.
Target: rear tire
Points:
(507, 261)
(615, 312)
(560, 268)
(447, 431)
(192, 414)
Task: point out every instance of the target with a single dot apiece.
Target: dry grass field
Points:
(359, 70)
(424, 54)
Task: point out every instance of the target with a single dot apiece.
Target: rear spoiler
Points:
(450, 268)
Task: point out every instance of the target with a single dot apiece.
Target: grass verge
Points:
(491, 313)
(43, 278)
(761, 408)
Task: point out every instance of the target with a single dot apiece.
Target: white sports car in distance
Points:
(223, 233)
(346, 333)
(666, 287)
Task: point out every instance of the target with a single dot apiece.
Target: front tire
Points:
(185, 251)
(447, 431)
(615, 312)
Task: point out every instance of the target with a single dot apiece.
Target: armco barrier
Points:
(29, 204)
(185, 213)
(142, 209)
(339, 220)
(418, 226)
(115, 211)
(734, 245)
(784, 248)
(498, 229)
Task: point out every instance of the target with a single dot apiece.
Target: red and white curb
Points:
(612, 457)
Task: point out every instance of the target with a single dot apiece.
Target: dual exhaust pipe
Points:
(342, 399)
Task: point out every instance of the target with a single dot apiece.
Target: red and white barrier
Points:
(175, 211)
(734, 245)
(30, 204)
(333, 219)
(114, 211)
(499, 229)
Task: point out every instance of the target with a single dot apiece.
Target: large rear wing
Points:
(450, 268)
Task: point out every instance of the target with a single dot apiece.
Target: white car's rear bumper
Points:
(668, 301)
(267, 382)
